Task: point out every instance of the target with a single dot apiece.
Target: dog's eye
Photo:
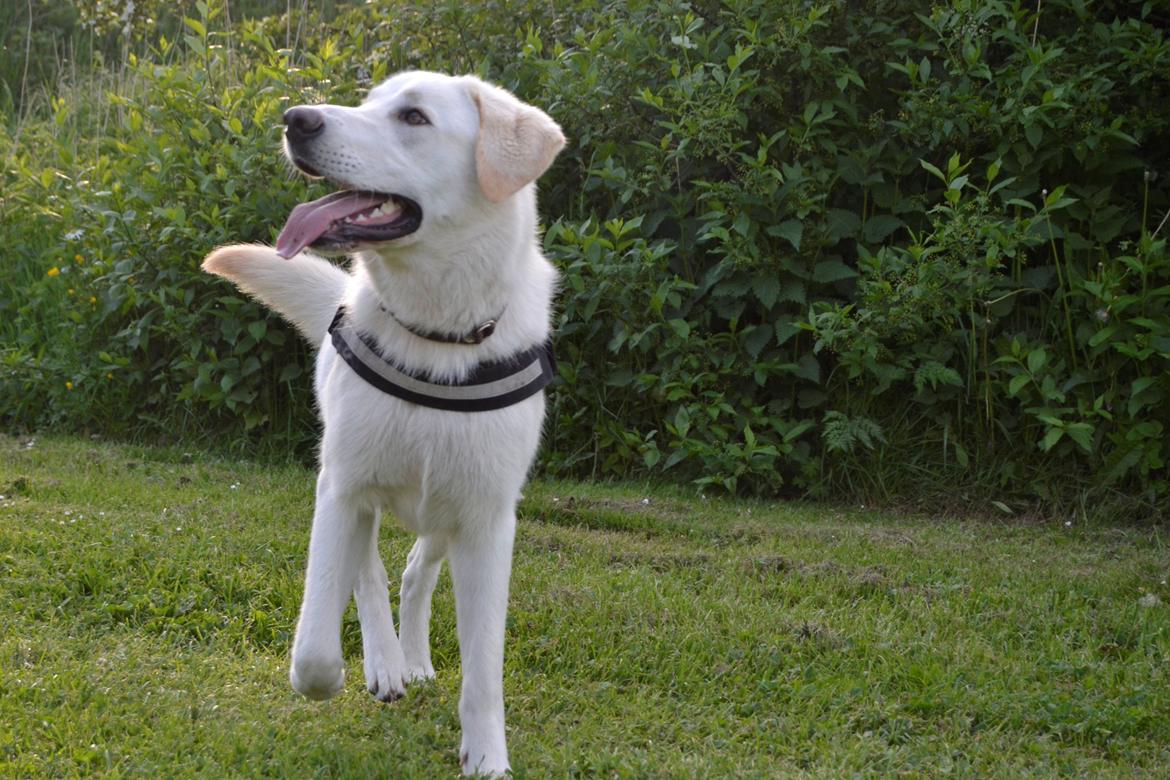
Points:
(412, 116)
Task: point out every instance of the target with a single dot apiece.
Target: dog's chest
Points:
(398, 455)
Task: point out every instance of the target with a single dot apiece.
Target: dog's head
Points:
(422, 150)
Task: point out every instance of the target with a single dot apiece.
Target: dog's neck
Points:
(452, 284)
(458, 279)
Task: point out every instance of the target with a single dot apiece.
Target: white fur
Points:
(452, 478)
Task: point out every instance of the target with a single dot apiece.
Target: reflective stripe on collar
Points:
(489, 386)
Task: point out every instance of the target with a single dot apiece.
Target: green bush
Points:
(828, 249)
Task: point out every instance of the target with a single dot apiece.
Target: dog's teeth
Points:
(367, 216)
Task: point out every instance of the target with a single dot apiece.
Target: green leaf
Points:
(1102, 335)
(1056, 200)
(842, 224)
(195, 44)
(1017, 383)
(1139, 385)
(879, 227)
(933, 373)
(794, 291)
(195, 25)
(766, 288)
(620, 377)
(828, 271)
(1034, 134)
(993, 170)
(1021, 203)
(1036, 359)
(808, 368)
(786, 329)
(755, 339)
(290, 372)
(1051, 438)
(961, 456)
(796, 430)
(933, 171)
(1082, 434)
(791, 230)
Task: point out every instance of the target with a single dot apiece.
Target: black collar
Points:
(476, 336)
(492, 385)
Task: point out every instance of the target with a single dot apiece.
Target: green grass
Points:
(148, 598)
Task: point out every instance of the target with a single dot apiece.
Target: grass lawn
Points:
(148, 599)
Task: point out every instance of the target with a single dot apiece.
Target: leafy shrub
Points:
(819, 248)
(123, 320)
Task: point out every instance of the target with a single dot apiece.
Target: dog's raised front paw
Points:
(317, 680)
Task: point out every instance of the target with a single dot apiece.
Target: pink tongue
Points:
(308, 221)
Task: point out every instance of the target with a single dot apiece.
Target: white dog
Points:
(433, 355)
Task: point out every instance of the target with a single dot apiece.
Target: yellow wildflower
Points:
(68, 385)
(93, 300)
(71, 292)
(78, 259)
(54, 271)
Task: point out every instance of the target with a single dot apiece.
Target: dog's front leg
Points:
(481, 564)
(385, 667)
(337, 549)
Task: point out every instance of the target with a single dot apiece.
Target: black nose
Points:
(302, 123)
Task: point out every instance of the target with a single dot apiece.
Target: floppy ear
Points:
(516, 142)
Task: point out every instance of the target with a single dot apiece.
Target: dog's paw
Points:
(482, 751)
(385, 685)
(419, 672)
(483, 766)
(385, 680)
(317, 680)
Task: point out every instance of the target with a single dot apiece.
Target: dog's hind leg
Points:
(384, 665)
(337, 549)
(481, 565)
(414, 613)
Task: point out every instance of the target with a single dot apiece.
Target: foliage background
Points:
(867, 250)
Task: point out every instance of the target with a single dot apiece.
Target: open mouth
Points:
(346, 220)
